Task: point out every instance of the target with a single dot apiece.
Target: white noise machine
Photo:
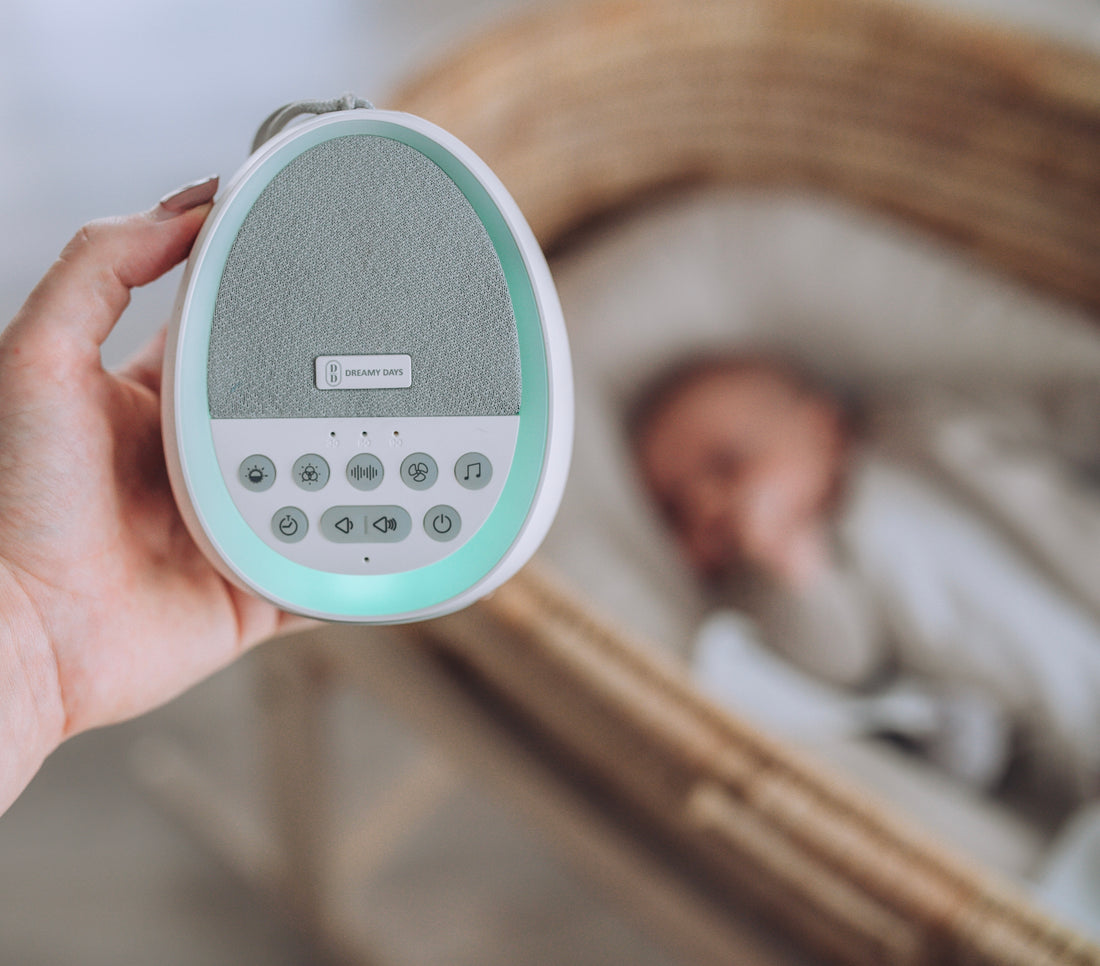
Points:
(368, 406)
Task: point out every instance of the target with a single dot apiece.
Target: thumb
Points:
(84, 293)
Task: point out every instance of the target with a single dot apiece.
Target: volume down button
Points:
(366, 524)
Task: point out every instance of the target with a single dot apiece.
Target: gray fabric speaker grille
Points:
(362, 246)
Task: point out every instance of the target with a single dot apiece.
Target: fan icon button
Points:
(419, 471)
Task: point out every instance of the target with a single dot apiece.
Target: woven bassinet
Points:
(988, 138)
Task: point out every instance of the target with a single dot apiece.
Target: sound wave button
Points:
(366, 524)
(364, 471)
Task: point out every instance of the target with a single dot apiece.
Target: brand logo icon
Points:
(392, 370)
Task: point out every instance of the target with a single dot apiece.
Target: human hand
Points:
(107, 607)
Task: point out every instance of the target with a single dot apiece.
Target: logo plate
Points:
(363, 372)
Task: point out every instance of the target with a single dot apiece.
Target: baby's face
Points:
(745, 466)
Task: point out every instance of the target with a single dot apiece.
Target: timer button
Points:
(289, 524)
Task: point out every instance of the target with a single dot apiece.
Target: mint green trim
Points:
(346, 595)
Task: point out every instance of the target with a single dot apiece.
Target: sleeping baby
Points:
(859, 568)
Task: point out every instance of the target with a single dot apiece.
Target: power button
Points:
(442, 523)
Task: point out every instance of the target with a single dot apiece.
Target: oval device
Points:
(368, 407)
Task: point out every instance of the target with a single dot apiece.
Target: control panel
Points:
(365, 496)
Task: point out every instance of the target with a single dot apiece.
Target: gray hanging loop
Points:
(285, 114)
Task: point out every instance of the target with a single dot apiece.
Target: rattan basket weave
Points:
(988, 138)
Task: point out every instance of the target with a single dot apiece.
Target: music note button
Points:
(473, 471)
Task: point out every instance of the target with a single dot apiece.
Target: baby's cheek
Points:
(791, 498)
(707, 548)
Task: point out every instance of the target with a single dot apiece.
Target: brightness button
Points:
(256, 473)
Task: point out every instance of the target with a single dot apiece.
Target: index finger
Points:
(84, 293)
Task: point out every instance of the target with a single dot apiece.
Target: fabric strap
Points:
(279, 118)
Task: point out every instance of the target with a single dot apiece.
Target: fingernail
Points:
(186, 197)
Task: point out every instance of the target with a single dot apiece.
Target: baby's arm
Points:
(830, 629)
(966, 608)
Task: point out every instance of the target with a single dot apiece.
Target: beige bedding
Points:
(874, 307)
(1003, 378)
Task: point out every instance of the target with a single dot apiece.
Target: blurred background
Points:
(104, 108)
